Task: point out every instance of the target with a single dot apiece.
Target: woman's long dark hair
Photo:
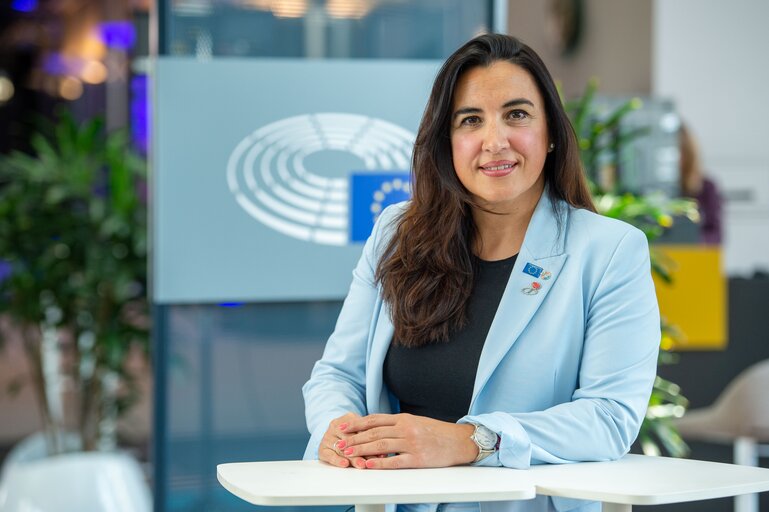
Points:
(426, 271)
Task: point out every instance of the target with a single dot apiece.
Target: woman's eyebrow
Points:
(466, 110)
(518, 101)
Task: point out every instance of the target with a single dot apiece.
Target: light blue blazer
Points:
(565, 374)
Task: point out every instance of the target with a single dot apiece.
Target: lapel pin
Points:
(532, 270)
(545, 275)
(533, 289)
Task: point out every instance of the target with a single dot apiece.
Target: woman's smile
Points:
(497, 168)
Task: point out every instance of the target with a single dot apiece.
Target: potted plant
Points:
(601, 141)
(73, 239)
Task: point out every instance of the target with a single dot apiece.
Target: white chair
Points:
(739, 416)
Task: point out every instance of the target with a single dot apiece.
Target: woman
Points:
(694, 184)
(494, 319)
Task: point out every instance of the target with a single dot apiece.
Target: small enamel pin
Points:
(545, 275)
(533, 289)
(532, 270)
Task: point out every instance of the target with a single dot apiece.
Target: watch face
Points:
(485, 438)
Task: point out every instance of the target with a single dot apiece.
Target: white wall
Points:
(710, 56)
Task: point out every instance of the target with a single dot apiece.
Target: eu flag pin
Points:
(532, 270)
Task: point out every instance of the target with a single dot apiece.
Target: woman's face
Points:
(499, 136)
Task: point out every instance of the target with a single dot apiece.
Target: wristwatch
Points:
(486, 440)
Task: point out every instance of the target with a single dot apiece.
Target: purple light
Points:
(58, 64)
(139, 113)
(120, 35)
(24, 5)
(5, 270)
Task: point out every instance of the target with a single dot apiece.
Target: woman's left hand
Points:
(412, 441)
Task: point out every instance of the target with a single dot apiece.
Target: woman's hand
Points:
(412, 441)
(334, 442)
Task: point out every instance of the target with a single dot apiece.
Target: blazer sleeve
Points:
(616, 374)
(337, 381)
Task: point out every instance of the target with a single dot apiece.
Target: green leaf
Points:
(583, 105)
(86, 139)
(615, 117)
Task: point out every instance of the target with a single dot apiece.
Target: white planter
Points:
(73, 482)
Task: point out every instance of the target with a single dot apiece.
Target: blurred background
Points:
(161, 303)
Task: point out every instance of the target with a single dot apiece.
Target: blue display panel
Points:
(267, 181)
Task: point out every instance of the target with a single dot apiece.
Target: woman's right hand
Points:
(332, 446)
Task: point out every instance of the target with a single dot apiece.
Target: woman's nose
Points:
(494, 139)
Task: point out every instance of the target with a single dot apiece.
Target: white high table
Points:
(632, 480)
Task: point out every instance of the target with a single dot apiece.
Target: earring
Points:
(551, 147)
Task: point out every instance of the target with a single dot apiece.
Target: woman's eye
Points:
(471, 121)
(518, 114)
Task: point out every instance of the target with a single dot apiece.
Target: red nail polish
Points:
(370, 463)
(348, 451)
(343, 426)
(341, 444)
(360, 464)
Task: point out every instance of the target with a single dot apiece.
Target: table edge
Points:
(646, 499)
(524, 493)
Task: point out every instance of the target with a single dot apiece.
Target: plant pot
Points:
(73, 482)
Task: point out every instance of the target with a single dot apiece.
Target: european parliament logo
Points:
(322, 178)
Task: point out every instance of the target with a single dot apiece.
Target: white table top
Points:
(632, 480)
(642, 480)
(316, 483)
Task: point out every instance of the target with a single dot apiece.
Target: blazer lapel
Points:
(536, 270)
(377, 399)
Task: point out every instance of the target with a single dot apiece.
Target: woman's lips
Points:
(497, 169)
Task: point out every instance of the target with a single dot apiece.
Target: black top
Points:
(436, 380)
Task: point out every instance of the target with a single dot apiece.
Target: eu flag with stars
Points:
(532, 270)
(370, 193)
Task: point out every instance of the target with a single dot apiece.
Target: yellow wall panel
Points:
(696, 301)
